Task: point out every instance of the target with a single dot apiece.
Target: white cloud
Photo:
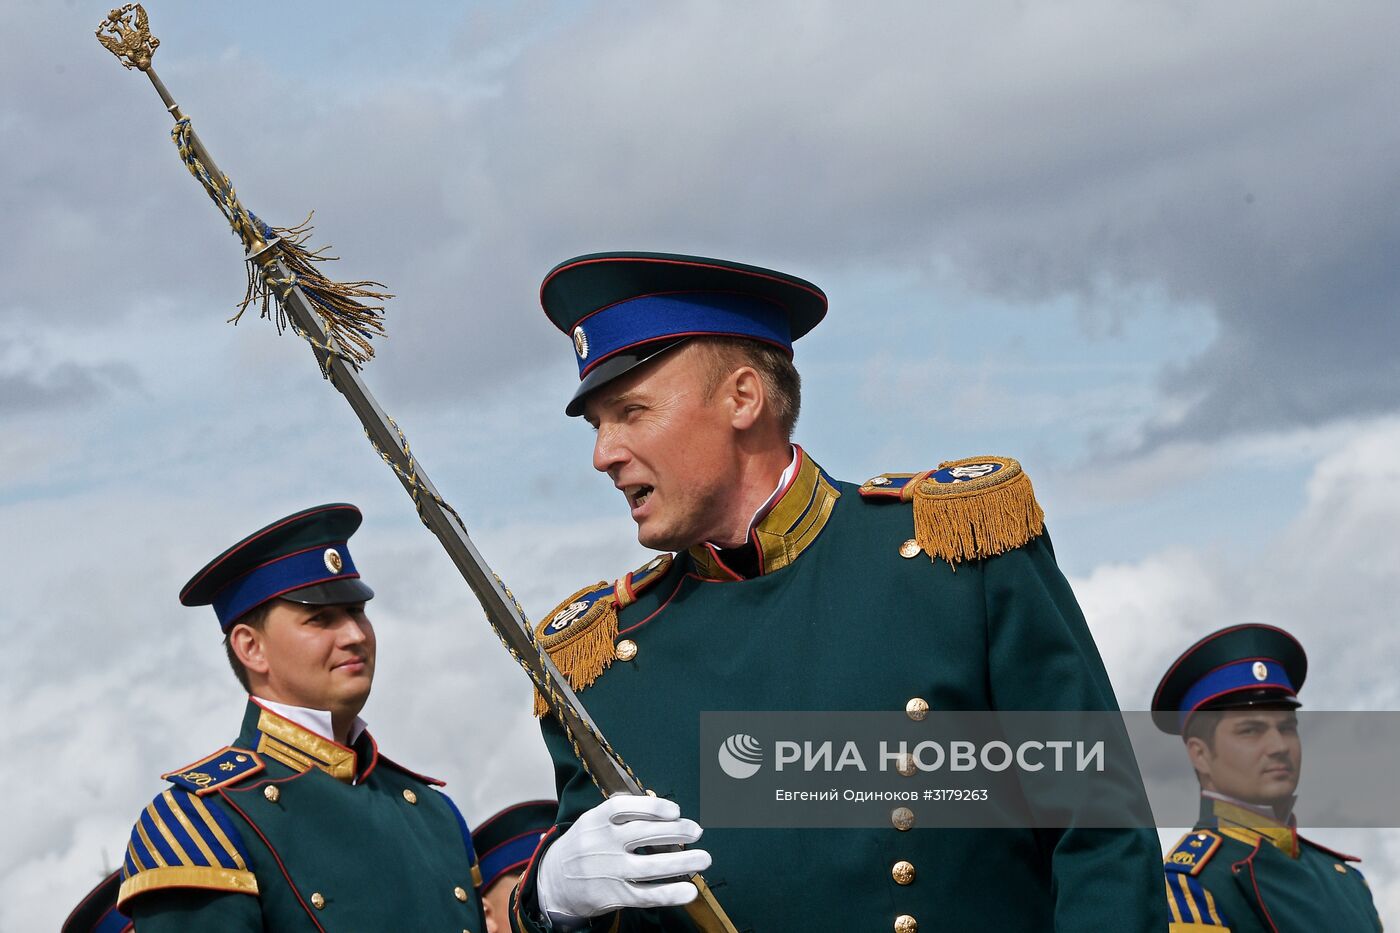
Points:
(1328, 576)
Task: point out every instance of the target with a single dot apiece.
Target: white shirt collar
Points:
(313, 720)
(1259, 809)
(773, 497)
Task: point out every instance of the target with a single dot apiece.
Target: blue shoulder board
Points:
(217, 770)
(591, 603)
(1192, 852)
(891, 485)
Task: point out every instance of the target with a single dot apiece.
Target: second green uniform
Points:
(1240, 872)
(288, 831)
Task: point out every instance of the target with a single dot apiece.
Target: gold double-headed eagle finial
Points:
(126, 33)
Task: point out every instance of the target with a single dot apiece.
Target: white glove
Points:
(594, 866)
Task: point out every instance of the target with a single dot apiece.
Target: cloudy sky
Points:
(1148, 249)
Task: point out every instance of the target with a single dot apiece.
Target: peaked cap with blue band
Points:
(1236, 667)
(303, 558)
(505, 841)
(621, 309)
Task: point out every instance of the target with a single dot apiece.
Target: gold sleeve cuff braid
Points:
(187, 876)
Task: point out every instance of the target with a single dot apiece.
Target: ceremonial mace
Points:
(338, 323)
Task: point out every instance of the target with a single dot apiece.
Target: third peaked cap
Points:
(1239, 666)
(620, 309)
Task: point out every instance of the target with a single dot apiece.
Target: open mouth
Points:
(638, 495)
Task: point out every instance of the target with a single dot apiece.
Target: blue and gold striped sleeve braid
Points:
(1191, 907)
(185, 841)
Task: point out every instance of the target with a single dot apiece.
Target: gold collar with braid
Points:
(1248, 827)
(300, 749)
(789, 528)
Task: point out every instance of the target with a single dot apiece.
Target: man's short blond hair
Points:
(781, 383)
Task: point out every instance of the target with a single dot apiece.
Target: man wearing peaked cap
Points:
(1232, 698)
(505, 842)
(784, 588)
(300, 824)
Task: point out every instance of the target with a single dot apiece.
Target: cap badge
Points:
(1261, 670)
(581, 343)
(332, 559)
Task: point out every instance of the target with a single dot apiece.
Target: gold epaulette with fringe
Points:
(579, 634)
(965, 509)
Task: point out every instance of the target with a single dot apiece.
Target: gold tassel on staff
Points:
(351, 313)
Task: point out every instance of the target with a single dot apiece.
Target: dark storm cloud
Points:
(1227, 155)
(37, 378)
(62, 385)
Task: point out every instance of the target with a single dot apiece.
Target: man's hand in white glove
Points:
(594, 866)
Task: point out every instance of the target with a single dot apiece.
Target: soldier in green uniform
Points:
(504, 842)
(97, 911)
(792, 590)
(1244, 868)
(301, 824)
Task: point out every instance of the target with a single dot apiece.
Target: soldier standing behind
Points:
(1244, 868)
(505, 842)
(97, 911)
(301, 824)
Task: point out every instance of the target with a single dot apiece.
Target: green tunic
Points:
(288, 831)
(846, 614)
(1238, 872)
